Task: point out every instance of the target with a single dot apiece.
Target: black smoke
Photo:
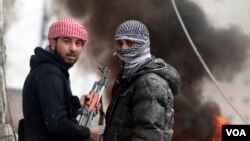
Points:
(223, 49)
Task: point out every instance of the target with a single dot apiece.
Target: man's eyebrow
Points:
(67, 38)
(79, 40)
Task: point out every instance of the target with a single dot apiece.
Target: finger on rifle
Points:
(98, 106)
(83, 99)
(90, 97)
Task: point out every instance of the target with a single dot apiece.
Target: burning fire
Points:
(219, 121)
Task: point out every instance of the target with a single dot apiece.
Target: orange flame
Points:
(219, 121)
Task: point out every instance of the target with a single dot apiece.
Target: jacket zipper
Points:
(115, 136)
(112, 109)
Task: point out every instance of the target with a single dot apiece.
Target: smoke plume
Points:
(224, 50)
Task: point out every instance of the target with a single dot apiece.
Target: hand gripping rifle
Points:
(89, 110)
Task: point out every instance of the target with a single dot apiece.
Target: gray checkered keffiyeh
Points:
(132, 57)
(132, 30)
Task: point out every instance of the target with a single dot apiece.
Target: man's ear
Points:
(52, 44)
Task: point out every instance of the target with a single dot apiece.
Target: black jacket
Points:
(48, 107)
(141, 107)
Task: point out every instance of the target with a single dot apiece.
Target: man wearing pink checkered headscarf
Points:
(49, 107)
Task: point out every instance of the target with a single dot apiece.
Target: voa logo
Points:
(236, 132)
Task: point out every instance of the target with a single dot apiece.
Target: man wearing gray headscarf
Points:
(141, 107)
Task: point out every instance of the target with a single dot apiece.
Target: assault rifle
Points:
(89, 110)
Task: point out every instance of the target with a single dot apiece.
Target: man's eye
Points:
(66, 41)
(79, 43)
(130, 43)
(118, 43)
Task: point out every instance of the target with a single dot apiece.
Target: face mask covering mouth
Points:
(133, 54)
(132, 57)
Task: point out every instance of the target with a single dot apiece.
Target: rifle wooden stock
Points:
(94, 101)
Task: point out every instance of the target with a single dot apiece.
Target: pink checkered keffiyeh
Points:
(67, 27)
